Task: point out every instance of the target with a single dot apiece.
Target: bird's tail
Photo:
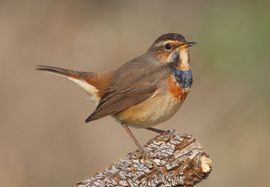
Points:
(94, 84)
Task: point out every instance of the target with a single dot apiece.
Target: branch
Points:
(170, 159)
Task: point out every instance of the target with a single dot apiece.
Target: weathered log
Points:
(170, 159)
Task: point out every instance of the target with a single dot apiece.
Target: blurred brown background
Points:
(43, 138)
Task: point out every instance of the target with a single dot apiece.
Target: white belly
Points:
(151, 112)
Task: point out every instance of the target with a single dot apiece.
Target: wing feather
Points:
(134, 82)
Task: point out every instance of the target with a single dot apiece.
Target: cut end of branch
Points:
(205, 164)
(170, 159)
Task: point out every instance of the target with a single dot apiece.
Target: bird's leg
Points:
(156, 130)
(133, 137)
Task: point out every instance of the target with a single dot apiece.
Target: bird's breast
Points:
(176, 90)
(184, 78)
(160, 107)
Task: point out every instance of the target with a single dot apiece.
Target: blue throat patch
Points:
(183, 78)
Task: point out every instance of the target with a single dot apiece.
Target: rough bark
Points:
(170, 159)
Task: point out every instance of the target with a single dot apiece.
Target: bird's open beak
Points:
(191, 43)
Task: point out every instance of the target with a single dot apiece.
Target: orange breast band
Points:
(175, 89)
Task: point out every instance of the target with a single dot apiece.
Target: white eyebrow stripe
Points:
(162, 43)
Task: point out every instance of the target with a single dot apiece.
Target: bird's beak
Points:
(191, 43)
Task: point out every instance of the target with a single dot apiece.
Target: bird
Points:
(143, 92)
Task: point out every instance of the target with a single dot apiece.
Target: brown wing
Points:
(134, 82)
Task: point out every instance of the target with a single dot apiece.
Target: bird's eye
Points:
(168, 46)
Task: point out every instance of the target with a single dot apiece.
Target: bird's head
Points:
(172, 48)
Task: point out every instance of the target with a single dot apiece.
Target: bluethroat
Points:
(143, 92)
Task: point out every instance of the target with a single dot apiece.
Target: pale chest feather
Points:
(156, 109)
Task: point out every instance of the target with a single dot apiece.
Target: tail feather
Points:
(83, 79)
(65, 72)
(94, 84)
